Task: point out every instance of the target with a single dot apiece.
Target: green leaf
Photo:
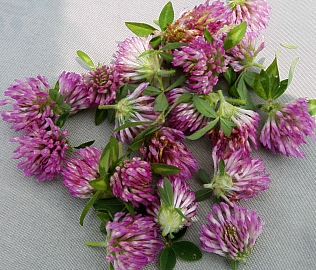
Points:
(167, 259)
(111, 266)
(147, 52)
(184, 98)
(104, 217)
(249, 78)
(235, 35)
(100, 116)
(104, 163)
(164, 169)
(244, 94)
(221, 167)
(166, 193)
(208, 36)
(88, 206)
(155, 42)
(178, 210)
(137, 141)
(178, 82)
(179, 234)
(274, 77)
(283, 86)
(166, 16)
(172, 46)
(132, 124)
(230, 75)
(62, 119)
(130, 208)
(111, 206)
(166, 56)
(260, 84)
(161, 103)
(83, 145)
(203, 194)
(312, 107)
(234, 264)
(85, 58)
(289, 46)
(198, 134)
(292, 68)
(54, 94)
(227, 126)
(140, 29)
(99, 183)
(151, 91)
(187, 251)
(203, 176)
(204, 107)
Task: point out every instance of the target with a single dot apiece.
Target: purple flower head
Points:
(168, 219)
(231, 231)
(74, 91)
(202, 63)
(286, 127)
(30, 101)
(134, 108)
(165, 146)
(103, 82)
(132, 242)
(184, 116)
(255, 12)
(243, 55)
(43, 149)
(192, 23)
(241, 179)
(132, 182)
(80, 170)
(133, 64)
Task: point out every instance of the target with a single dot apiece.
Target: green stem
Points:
(95, 244)
(236, 101)
(259, 65)
(107, 107)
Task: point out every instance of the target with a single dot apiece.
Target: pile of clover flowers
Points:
(159, 90)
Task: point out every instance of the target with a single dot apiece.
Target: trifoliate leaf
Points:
(203, 176)
(227, 126)
(208, 36)
(85, 58)
(281, 89)
(88, 206)
(155, 42)
(261, 85)
(83, 145)
(289, 46)
(161, 103)
(204, 107)
(249, 78)
(198, 134)
(274, 77)
(235, 35)
(167, 259)
(166, 16)
(140, 29)
(312, 107)
(243, 92)
(203, 194)
(187, 251)
(164, 169)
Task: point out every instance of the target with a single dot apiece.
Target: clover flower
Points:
(43, 149)
(132, 242)
(184, 116)
(231, 231)
(191, 24)
(242, 56)
(133, 108)
(80, 170)
(202, 62)
(255, 12)
(103, 82)
(165, 146)
(30, 101)
(133, 64)
(74, 91)
(132, 182)
(166, 216)
(241, 179)
(286, 127)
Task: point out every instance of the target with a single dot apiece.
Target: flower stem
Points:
(107, 107)
(259, 65)
(95, 244)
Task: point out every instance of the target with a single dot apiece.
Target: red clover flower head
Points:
(231, 231)
(165, 146)
(132, 182)
(30, 101)
(286, 127)
(202, 62)
(132, 242)
(74, 91)
(43, 149)
(80, 170)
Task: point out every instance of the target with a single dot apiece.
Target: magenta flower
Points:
(30, 101)
(243, 177)
(43, 150)
(132, 182)
(202, 63)
(103, 82)
(165, 146)
(168, 219)
(74, 91)
(80, 170)
(132, 242)
(255, 12)
(231, 231)
(286, 127)
(184, 116)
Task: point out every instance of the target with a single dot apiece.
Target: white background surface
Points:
(39, 226)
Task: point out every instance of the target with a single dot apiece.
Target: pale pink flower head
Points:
(80, 170)
(30, 101)
(132, 242)
(132, 182)
(287, 126)
(43, 151)
(231, 231)
(202, 63)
